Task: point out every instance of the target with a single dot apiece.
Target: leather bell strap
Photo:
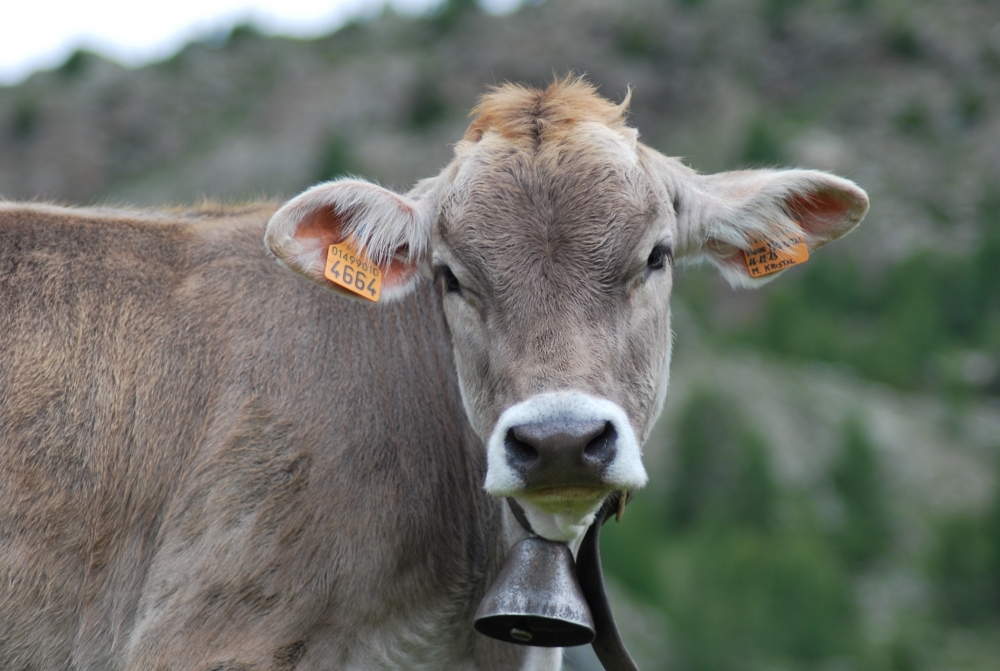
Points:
(608, 644)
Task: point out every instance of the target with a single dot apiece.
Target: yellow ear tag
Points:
(350, 268)
(767, 256)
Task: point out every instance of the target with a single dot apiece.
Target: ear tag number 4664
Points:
(349, 267)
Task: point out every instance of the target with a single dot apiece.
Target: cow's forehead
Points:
(581, 201)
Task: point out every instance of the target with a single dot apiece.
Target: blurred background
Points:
(824, 482)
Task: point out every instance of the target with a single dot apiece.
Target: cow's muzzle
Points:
(561, 452)
(564, 451)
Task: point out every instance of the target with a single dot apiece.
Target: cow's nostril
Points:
(601, 449)
(519, 453)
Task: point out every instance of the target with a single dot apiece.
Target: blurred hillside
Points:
(825, 479)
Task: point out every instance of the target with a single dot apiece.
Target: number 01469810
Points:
(348, 267)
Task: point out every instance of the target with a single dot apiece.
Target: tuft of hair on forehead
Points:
(522, 113)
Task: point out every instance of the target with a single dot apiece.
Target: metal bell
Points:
(536, 599)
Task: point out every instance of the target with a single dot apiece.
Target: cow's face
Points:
(554, 264)
(551, 241)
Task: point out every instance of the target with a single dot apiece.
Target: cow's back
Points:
(87, 340)
(194, 442)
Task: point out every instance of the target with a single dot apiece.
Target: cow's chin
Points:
(562, 513)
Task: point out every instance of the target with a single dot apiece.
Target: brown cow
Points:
(210, 464)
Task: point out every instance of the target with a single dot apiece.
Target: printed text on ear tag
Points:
(770, 256)
(350, 268)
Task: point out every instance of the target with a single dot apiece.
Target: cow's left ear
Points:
(721, 216)
(392, 230)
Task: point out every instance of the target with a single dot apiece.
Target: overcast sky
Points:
(40, 34)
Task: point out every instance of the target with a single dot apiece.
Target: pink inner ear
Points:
(726, 255)
(398, 271)
(822, 213)
(325, 227)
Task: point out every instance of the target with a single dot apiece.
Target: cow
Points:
(211, 464)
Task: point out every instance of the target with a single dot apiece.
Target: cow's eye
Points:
(658, 258)
(447, 279)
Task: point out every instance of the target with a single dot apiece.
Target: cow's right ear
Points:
(722, 217)
(392, 230)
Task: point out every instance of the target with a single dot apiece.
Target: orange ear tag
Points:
(350, 268)
(766, 257)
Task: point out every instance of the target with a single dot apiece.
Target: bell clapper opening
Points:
(521, 635)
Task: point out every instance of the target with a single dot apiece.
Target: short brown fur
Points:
(183, 429)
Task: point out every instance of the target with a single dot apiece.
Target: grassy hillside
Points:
(824, 482)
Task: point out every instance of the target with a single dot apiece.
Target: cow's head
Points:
(551, 238)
